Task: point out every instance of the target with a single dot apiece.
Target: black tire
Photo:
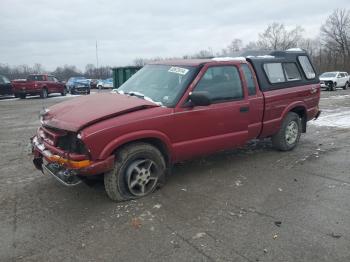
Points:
(334, 86)
(64, 92)
(22, 96)
(283, 141)
(44, 93)
(71, 92)
(346, 86)
(88, 92)
(122, 182)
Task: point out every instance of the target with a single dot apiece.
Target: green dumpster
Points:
(121, 74)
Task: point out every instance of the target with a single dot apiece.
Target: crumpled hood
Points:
(75, 114)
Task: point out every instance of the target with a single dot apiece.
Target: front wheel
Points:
(334, 86)
(289, 134)
(64, 92)
(44, 93)
(346, 86)
(138, 169)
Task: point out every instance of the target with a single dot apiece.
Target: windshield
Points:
(35, 78)
(78, 78)
(328, 75)
(163, 84)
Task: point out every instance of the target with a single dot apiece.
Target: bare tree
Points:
(140, 61)
(234, 47)
(335, 34)
(277, 37)
(251, 46)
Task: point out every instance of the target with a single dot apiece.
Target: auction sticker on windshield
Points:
(178, 70)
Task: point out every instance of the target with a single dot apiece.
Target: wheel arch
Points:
(155, 138)
(300, 109)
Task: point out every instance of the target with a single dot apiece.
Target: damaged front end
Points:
(63, 155)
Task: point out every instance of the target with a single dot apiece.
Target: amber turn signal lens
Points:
(70, 163)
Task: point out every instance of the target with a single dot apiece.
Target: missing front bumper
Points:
(65, 176)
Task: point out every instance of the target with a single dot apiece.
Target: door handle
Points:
(244, 109)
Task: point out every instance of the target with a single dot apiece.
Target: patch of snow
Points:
(261, 56)
(157, 206)
(336, 97)
(199, 235)
(238, 183)
(8, 99)
(223, 59)
(296, 49)
(334, 118)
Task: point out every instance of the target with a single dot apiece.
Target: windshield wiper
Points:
(140, 95)
(135, 93)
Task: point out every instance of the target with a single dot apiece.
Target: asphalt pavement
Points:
(247, 204)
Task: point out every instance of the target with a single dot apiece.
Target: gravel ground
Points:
(249, 204)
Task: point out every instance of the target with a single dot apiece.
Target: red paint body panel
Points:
(77, 113)
(31, 87)
(279, 102)
(107, 121)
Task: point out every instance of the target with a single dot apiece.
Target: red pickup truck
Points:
(174, 111)
(42, 85)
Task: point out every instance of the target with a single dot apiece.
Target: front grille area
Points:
(66, 141)
(328, 83)
(71, 143)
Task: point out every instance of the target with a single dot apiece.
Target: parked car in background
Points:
(106, 83)
(332, 80)
(172, 111)
(5, 86)
(38, 84)
(93, 83)
(78, 85)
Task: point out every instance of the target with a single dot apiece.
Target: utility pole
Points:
(98, 71)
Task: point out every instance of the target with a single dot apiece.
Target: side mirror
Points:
(200, 98)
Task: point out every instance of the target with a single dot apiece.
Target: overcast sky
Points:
(62, 32)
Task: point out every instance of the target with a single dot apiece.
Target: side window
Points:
(222, 83)
(249, 79)
(2, 80)
(274, 72)
(291, 71)
(307, 67)
(50, 78)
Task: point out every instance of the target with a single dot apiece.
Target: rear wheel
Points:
(64, 92)
(289, 134)
(138, 169)
(22, 96)
(44, 93)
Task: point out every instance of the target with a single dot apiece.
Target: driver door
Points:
(202, 130)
